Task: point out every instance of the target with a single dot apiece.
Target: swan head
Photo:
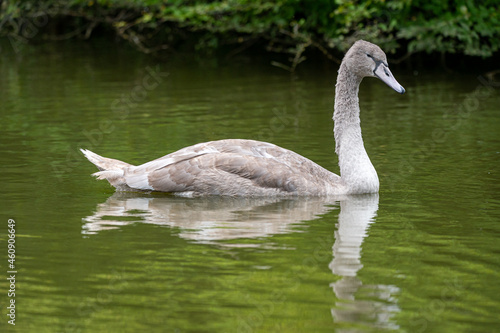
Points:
(368, 60)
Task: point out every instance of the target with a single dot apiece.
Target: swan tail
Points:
(110, 169)
(104, 163)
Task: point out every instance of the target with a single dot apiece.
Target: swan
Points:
(237, 167)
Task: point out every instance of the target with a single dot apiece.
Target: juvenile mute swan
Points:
(252, 168)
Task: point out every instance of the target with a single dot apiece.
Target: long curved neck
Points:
(356, 169)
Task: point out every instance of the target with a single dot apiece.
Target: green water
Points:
(422, 256)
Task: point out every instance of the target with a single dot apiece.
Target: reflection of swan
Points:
(225, 221)
(253, 168)
(356, 214)
(209, 218)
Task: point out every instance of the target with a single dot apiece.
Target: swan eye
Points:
(369, 55)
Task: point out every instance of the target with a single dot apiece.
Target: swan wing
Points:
(232, 167)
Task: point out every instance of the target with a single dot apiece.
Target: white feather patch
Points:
(139, 181)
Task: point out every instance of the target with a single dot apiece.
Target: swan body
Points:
(252, 168)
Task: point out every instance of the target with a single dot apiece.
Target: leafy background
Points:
(465, 27)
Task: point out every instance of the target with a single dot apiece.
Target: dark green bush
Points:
(464, 26)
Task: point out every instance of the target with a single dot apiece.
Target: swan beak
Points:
(382, 72)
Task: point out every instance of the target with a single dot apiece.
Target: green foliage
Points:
(466, 27)
(462, 26)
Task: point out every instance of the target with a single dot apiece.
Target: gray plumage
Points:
(252, 168)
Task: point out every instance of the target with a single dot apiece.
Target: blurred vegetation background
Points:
(400, 27)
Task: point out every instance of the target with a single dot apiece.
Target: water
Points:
(422, 256)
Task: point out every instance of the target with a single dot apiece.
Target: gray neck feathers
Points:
(356, 169)
(346, 113)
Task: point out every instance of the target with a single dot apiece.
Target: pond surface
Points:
(421, 256)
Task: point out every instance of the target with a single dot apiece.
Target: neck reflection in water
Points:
(376, 304)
